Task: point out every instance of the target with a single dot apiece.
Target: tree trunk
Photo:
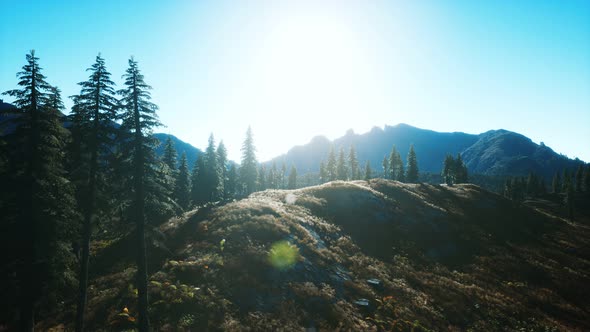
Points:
(144, 324)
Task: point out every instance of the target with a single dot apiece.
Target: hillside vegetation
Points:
(353, 256)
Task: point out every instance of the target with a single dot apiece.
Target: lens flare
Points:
(283, 255)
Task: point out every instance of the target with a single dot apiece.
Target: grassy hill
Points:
(354, 256)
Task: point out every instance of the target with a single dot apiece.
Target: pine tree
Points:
(391, 164)
(354, 164)
(460, 170)
(222, 164)
(368, 172)
(341, 169)
(182, 185)
(94, 116)
(41, 203)
(331, 165)
(213, 185)
(556, 183)
(232, 182)
(170, 156)
(292, 178)
(248, 171)
(385, 165)
(138, 118)
(198, 180)
(412, 169)
(448, 172)
(566, 177)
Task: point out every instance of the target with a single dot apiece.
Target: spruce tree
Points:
(292, 184)
(368, 172)
(170, 156)
(391, 164)
(41, 203)
(460, 170)
(94, 117)
(385, 165)
(586, 179)
(272, 176)
(198, 180)
(248, 171)
(341, 169)
(138, 119)
(222, 164)
(448, 172)
(213, 185)
(354, 164)
(331, 165)
(232, 182)
(283, 175)
(182, 185)
(412, 169)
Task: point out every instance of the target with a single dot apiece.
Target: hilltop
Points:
(361, 256)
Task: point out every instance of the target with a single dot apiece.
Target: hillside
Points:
(181, 147)
(496, 152)
(354, 256)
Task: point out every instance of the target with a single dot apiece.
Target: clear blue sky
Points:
(296, 69)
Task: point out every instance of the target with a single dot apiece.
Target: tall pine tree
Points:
(94, 117)
(138, 119)
(39, 211)
(248, 171)
(354, 164)
(182, 185)
(412, 169)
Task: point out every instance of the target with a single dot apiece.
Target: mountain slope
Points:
(356, 256)
(181, 147)
(496, 152)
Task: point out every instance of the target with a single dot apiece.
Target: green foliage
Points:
(182, 185)
(248, 171)
(331, 165)
(368, 172)
(354, 164)
(292, 184)
(170, 156)
(412, 169)
(341, 167)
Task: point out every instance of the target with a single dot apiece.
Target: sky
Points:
(293, 70)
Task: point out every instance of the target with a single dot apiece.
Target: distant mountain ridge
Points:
(495, 152)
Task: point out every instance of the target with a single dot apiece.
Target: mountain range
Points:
(495, 152)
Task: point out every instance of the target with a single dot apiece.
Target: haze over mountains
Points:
(495, 152)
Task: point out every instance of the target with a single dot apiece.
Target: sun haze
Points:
(294, 70)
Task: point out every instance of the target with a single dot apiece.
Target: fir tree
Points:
(40, 203)
(248, 171)
(94, 115)
(232, 182)
(292, 184)
(586, 179)
(448, 173)
(385, 165)
(354, 164)
(272, 176)
(341, 169)
(566, 178)
(368, 172)
(170, 156)
(138, 118)
(331, 165)
(198, 180)
(182, 185)
(222, 164)
(283, 175)
(412, 169)
(213, 185)
(460, 170)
